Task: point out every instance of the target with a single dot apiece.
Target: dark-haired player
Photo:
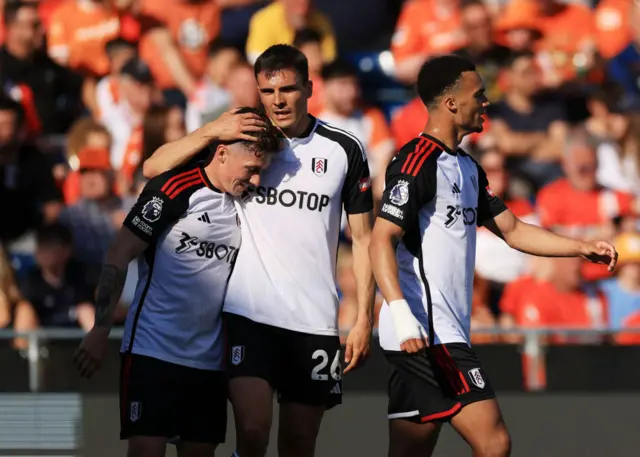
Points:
(423, 254)
(185, 233)
(281, 304)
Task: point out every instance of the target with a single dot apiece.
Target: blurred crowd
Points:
(91, 88)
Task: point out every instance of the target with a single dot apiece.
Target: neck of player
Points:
(213, 175)
(297, 129)
(447, 132)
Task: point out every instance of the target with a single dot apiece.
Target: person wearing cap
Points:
(623, 290)
(93, 219)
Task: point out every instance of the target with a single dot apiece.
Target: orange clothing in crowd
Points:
(316, 102)
(424, 28)
(613, 31)
(78, 32)
(565, 33)
(581, 214)
(192, 25)
(535, 303)
(630, 338)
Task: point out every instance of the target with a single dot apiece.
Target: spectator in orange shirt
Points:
(567, 46)
(531, 129)
(310, 43)
(408, 121)
(558, 300)
(344, 109)
(425, 28)
(576, 206)
(161, 125)
(78, 33)
(175, 37)
(612, 27)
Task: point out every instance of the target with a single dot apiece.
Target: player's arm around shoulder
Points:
(230, 126)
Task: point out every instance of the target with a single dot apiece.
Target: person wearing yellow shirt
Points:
(278, 23)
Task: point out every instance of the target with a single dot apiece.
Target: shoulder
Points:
(418, 156)
(346, 140)
(176, 185)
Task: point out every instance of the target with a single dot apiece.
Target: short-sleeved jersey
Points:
(439, 197)
(285, 273)
(193, 235)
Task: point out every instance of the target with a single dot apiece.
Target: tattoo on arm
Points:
(109, 290)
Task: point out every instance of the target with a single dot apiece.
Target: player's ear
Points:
(450, 103)
(221, 153)
(309, 86)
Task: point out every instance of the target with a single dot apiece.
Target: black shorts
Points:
(301, 368)
(163, 399)
(433, 385)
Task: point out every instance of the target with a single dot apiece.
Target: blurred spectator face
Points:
(137, 94)
(242, 86)
(476, 23)
(175, 125)
(52, 255)
(342, 94)
(25, 32)
(580, 165)
(297, 11)
(313, 53)
(524, 76)
(284, 96)
(567, 273)
(493, 164)
(8, 131)
(120, 57)
(98, 139)
(519, 39)
(94, 184)
(222, 64)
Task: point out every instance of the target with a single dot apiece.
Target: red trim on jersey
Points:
(416, 150)
(424, 157)
(188, 183)
(442, 414)
(177, 177)
(423, 154)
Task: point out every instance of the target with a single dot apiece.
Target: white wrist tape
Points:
(405, 323)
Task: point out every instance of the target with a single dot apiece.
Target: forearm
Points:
(535, 240)
(385, 268)
(110, 288)
(365, 284)
(517, 144)
(176, 153)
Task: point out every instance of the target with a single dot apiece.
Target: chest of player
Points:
(457, 192)
(209, 231)
(304, 178)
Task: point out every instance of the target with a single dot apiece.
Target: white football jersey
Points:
(285, 273)
(194, 237)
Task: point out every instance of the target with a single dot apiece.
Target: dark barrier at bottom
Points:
(542, 425)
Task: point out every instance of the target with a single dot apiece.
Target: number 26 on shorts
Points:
(335, 370)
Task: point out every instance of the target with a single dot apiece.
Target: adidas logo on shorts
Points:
(336, 390)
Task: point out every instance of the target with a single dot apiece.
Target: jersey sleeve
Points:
(356, 191)
(489, 205)
(155, 210)
(408, 187)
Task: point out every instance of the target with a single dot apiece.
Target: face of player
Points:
(239, 168)
(342, 94)
(470, 102)
(285, 97)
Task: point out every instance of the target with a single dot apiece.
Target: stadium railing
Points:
(532, 347)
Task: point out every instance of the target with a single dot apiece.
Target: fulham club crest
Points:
(319, 166)
(237, 355)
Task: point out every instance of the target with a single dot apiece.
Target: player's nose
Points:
(255, 180)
